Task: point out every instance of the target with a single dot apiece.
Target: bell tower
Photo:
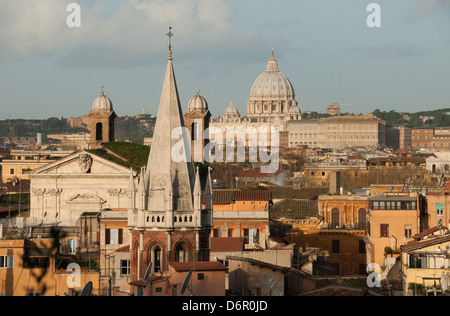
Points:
(101, 121)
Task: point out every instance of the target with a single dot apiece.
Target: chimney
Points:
(335, 183)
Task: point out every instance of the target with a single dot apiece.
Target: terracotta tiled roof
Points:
(260, 195)
(423, 243)
(222, 196)
(198, 266)
(427, 232)
(227, 244)
(123, 249)
(229, 196)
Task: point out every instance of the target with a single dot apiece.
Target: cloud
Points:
(423, 8)
(126, 37)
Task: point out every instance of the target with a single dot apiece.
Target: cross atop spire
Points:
(169, 35)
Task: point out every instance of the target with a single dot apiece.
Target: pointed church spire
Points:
(170, 158)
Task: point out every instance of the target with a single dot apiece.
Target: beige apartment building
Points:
(338, 132)
(393, 219)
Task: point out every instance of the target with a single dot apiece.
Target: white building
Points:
(82, 182)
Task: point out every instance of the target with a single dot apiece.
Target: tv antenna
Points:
(186, 284)
(148, 272)
(87, 290)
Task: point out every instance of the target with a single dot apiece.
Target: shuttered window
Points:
(7, 262)
(384, 230)
(114, 236)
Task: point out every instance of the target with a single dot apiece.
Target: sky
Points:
(220, 47)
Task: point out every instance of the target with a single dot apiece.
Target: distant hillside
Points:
(433, 118)
(126, 128)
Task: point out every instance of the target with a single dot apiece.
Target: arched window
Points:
(99, 131)
(362, 218)
(181, 253)
(155, 258)
(194, 131)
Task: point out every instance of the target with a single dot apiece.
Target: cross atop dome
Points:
(272, 65)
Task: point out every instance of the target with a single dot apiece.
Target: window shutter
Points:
(11, 262)
(107, 237)
(120, 236)
(384, 230)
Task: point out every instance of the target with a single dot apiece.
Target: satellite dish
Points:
(148, 272)
(186, 283)
(87, 290)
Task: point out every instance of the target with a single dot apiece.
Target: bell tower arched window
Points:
(99, 131)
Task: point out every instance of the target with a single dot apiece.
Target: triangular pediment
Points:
(86, 198)
(82, 163)
(197, 114)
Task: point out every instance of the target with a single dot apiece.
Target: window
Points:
(201, 276)
(408, 231)
(253, 236)
(72, 246)
(194, 131)
(11, 171)
(39, 262)
(384, 230)
(114, 236)
(99, 131)
(361, 247)
(439, 209)
(335, 246)
(181, 254)
(362, 218)
(155, 256)
(335, 218)
(124, 267)
(7, 262)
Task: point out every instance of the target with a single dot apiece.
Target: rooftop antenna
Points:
(87, 290)
(186, 284)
